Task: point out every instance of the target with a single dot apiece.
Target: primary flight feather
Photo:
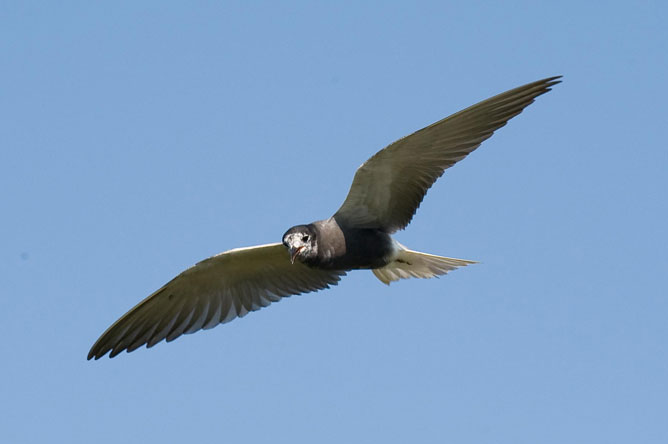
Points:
(383, 198)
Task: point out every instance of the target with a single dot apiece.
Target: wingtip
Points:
(95, 355)
(97, 351)
(551, 81)
(92, 353)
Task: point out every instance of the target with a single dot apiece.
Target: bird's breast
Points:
(349, 249)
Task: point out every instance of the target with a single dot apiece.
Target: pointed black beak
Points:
(294, 252)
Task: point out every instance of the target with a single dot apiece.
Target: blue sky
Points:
(138, 138)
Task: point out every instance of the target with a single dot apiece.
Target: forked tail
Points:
(410, 264)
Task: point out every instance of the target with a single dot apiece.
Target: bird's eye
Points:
(305, 238)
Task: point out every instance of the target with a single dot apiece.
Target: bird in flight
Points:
(385, 194)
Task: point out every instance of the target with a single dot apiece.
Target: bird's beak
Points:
(294, 252)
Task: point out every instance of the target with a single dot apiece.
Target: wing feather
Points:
(214, 291)
(389, 187)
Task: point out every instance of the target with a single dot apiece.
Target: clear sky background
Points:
(137, 138)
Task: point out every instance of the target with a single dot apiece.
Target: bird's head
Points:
(301, 242)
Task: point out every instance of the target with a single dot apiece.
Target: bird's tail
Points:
(408, 264)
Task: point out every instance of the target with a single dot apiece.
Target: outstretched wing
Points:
(215, 291)
(388, 188)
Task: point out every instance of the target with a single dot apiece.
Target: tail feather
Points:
(410, 264)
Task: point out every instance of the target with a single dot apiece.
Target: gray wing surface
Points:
(389, 187)
(214, 291)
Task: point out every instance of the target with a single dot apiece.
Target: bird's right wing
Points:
(388, 188)
(215, 291)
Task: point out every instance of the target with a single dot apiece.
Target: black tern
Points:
(383, 198)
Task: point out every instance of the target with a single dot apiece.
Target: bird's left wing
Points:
(388, 188)
(214, 291)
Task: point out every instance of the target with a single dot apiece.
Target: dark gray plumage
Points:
(385, 194)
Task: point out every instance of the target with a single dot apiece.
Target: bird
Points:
(384, 196)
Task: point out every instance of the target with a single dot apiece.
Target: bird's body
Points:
(385, 194)
(347, 248)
